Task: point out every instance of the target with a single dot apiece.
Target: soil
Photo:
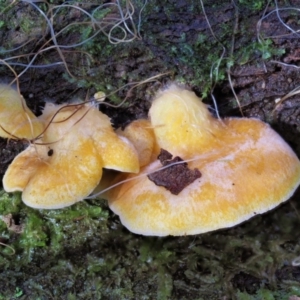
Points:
(175, 38)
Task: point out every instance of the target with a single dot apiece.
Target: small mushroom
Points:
(240, 167)
(141, 135)
(66, 164)
(16, 120)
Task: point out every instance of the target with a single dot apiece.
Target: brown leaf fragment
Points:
(175, 177)
(11, 225)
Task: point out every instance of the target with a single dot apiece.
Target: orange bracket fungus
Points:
(16, 119)
(65, 164)
(246, 169)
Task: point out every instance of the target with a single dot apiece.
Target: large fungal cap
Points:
(66, 165)
(246, 169)
(16, 119)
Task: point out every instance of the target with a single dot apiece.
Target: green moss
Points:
(81, 252)
(10, 203)
(263, 49)
(256, 5)
(265, 294)
(49, 228)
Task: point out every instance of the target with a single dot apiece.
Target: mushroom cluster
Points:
(65, 164)
(180, 172)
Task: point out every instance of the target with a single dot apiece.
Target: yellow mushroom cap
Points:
(246, 167)
(87, 121)
(55, 176)
(16, 119)
(66, 165)
(181, 126)
(141, 135)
